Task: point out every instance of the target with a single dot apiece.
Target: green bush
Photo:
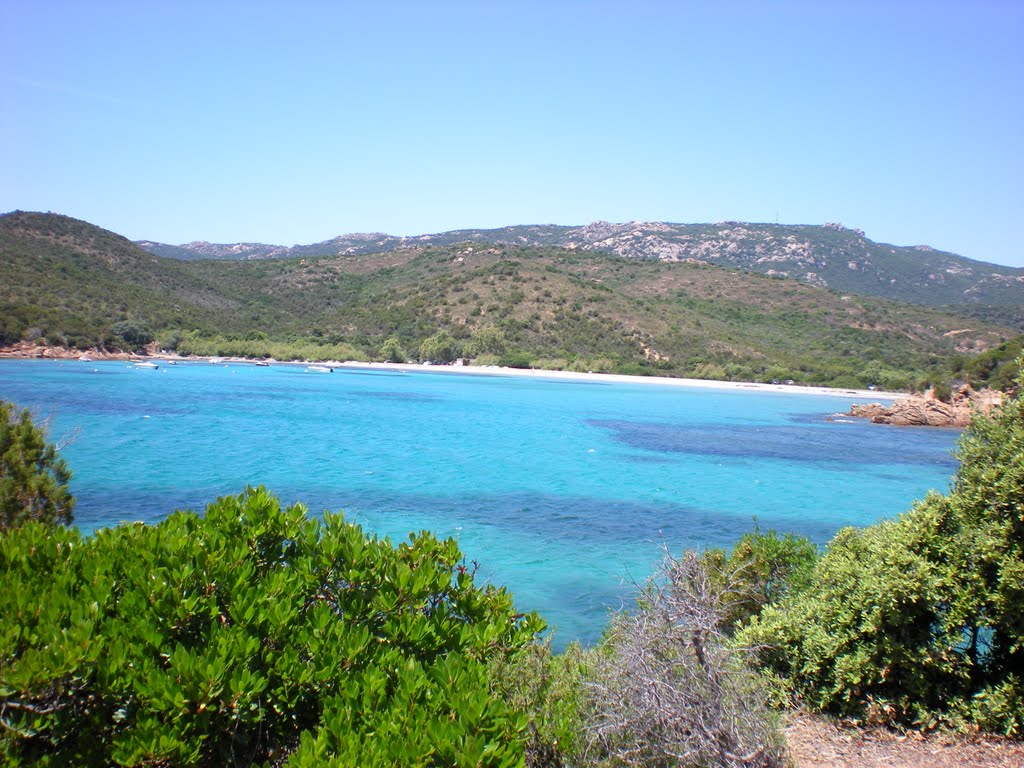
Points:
(33, 478)
(391, 350)
(439, 348)
(760, 570)
(194, 343)
(515, 360)
(135, 333)
(487, 340)
(251, 635)
(550, 688)
(921, 618)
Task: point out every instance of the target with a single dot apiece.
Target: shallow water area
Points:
(565, 491)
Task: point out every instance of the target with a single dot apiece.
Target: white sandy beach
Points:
(490, 370)
(667, 381)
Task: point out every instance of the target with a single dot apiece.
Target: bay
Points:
(567, 492)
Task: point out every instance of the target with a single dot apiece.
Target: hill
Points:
(71, 283)
(830, 255)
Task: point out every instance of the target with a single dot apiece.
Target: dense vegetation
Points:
(33, 477)
(996, 368)
(67, 283)
(919, 619)
(256, 635)
(251, 635)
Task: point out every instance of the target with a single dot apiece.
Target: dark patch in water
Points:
(566, 518)
(846, 446)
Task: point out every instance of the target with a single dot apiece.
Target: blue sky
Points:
(294, 122)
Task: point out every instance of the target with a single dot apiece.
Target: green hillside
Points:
(68, 282)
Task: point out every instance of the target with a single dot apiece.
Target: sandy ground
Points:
(817, 742)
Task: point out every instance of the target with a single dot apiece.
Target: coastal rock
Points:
(28, 349)
(928, 411)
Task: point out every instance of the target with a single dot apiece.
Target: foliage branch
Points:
(251, 635)
(33, 477)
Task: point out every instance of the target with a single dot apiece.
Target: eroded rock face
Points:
(928, 411)
(28, 349)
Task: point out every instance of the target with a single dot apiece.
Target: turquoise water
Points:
(564, 491)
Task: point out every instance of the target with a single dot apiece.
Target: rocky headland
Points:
(927, 410)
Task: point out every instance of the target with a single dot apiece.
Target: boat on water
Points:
(216, 360)
(318, 369)
(262, 364)
(147, 364)
(85, 359)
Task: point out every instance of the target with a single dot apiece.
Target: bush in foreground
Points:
(33, 478)
(253, 635)
(920, 619)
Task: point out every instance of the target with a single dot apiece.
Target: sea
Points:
(567, 492)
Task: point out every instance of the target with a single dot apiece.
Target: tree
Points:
(33, 478)
(136, 334)
(391, 350)
(251, 635)
(439, 348)
(488, 340)
(922, 617)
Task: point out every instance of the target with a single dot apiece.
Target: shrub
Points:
(942, 391)
(487, 340)
(33, 478)
(250, 635)
(921, 618)
(439, 348)
(136, 334)
(550, 689)
(760, 570)
(391, 350)
(515, 360)
(669, 688)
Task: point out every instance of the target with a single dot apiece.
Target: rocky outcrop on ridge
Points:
(830, 255)
(928, 411)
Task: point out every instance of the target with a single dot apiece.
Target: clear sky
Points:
(295, 122)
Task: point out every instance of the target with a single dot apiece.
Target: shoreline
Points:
(495, 371)
(618, 378)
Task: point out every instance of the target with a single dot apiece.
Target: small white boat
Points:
(262, 363)
(85, 359)
(216, 360)
(147, 364)
(318, 369)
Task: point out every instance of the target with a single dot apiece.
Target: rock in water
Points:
(928, 411)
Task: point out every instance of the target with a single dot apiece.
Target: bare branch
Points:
(672, 686)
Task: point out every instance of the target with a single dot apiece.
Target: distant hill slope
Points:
(68, 282)
(830, 256)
